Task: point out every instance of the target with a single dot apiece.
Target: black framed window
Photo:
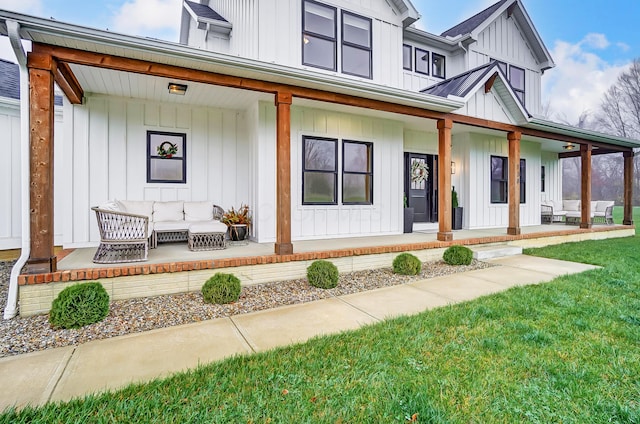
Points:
(503, 66)
(357, 173)
(319, 40)
(516, 78)
(421, 61)
(499, 179)
(356, 45)
(543, 179)
(319, 171)
(523, 181)
(437, 65)
(166, 157)
(406, 57)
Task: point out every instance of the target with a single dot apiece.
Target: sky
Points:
(591, 43)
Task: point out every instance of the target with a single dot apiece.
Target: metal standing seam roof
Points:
(204, 11)
(460, 85)
(466, 27)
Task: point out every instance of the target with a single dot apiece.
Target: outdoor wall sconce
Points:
(453, 167)
(179, 89)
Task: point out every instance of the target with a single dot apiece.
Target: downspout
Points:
(13, 30)
(466, 55)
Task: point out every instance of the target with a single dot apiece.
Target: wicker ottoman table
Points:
(207, 236)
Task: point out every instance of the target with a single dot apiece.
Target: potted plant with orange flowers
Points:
(238, 221)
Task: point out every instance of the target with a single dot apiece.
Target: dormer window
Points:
(320, 40)
(319, 36)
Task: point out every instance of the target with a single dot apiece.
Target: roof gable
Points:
(488, 78)
(476, 24)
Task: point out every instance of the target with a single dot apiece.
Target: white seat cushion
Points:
(198, 211)
(138, 207)
(112, 205)
(171, 226)
(602, 205)
(557, 206)
(571, 205)
(208, 227)
(168, 211)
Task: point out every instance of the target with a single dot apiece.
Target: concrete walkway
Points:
(64, 373)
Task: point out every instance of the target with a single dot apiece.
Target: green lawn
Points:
(562, 352)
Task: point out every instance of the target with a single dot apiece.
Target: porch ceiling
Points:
(147, 87)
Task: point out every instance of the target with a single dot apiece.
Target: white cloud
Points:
(155, 18)
(32, 7)
(580, 77)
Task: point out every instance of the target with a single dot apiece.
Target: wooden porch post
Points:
(41, 121)
(514, 183)
(283, 244)
(444, 178)
(585, 192)
(628, 188)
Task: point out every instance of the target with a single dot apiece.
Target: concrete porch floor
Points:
(177, 252)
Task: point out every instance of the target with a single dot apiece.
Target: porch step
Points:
(495, 251)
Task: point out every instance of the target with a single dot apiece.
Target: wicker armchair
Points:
(124, 237)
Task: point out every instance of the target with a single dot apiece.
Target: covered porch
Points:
(113, 96)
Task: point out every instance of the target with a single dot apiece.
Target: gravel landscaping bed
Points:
(29, 334)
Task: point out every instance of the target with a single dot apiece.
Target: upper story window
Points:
(516, 78)
(356, 45)
(438, 65)
(422, 61)
(406, 57)
(320, 40)
(319, 35)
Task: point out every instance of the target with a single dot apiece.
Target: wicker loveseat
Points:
(129, 228)
(570, 211)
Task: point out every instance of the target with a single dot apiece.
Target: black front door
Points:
(421, 186)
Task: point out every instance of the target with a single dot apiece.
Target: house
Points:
(322, 126)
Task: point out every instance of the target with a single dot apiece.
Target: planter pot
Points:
(456, 218)
(408, 220)
(238, 232)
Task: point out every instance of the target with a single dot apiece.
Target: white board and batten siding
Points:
(105, 157)
(486, 106)
(334, 221)
(503, 40)
(553, 176)
(474, 188)
(10, 175)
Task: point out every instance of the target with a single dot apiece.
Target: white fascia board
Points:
(568, 130)
(444, 43)
(258, 70)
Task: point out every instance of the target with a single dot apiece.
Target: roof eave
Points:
(256, 69)
(589, 135)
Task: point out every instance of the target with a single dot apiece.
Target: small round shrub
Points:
(221, 288)
(407, 264)
(79, 305)
(323, 274)
(458, 255)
